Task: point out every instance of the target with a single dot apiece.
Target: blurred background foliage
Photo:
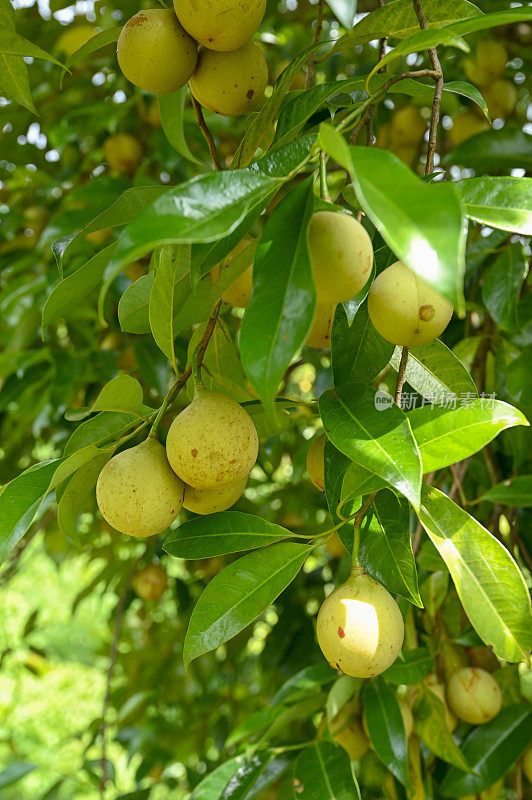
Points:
(58, 599)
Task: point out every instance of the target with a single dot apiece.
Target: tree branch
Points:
(401, 376)
(435, 116)
(206, 133)
(315, 39)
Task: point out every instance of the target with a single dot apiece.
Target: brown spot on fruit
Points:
(250, 93)
(341, 632)
(194, 453)
(426, 313)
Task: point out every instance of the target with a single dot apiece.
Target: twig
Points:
(401, 377)
(435, 116)
(206, 133)
(199, 354)
(315, 39)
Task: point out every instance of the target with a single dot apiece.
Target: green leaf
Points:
(221, 367)
(491, 749)
(430, 724)
(203, 209)
(255, 775)
(499, 201)
(484, 21)
(343, 10)
(221, 533)
(11, 44)
(501, 286)
(123, 210)
(14, 772)
(448, 435)
(171, 107)
(399, 20)
(77, 493)
(95, 43)
(261, 128)
(212, 786)
(386, 546)
(123, 393)
(336, 464)
(99, 429)
(172, 263)
(14, 81)
(280, 312)
(323, 772)
(381, 441)
(65, 298)
(465, 90)
(239, 594)
(20, 501)
(133, 307)
(512, 492)
(427, 233)
(422, 40)
(488, 581)
(72, 463)
(358, 352)
(306, 681)
(494, 151)
(435, 372)
(433, 591)
(410, 667)
(385, 727)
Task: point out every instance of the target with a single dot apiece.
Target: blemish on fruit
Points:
(341, 632)
(250, 93)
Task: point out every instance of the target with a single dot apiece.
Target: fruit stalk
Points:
(206, 133)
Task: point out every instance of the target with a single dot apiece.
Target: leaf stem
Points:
(324, 189)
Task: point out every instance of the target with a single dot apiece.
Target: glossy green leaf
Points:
(435, 373)
(335, 466)
(12, 44)
(280, 312)
(410, 667)
(482, 22)
(501, 286)
(470, 91)
(172, 263)
(171, 107)
(239, 594)
(254, 775)
(123, 210)
(381, 441)
(398, 20)
(65, 298)
(491, 749)
(323, 772)
(446, 435)
(358, 352)
(123, 393)
(77, 493)
(430, 724)
(512, 492)
(221, 533)
(221, 367)
(422, 40)
(494, 151)
(427, 233)
(14, 81)
(19, 502)
(99, 429)
(385, 727)
(433, 591)
(212, 787)
(386, 546)
(95, 43)
(306, 681)
(133, 307)
(499, 201)
(488, 581)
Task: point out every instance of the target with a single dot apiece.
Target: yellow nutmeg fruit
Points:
(319, 335)
(405, 310)
(491, 58)
(137, 492)
(360, 629)
(208, 501)
(341, 254)
(527, 763)
(238, 294)
(122, 152)
(474, 695)
(230, 83)
(353, 739)
(150, 583)
(155, 53)
(213, 442)
(316, 462)
(465, 125)
(407, 126)
(501, 97)
(220, 24)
